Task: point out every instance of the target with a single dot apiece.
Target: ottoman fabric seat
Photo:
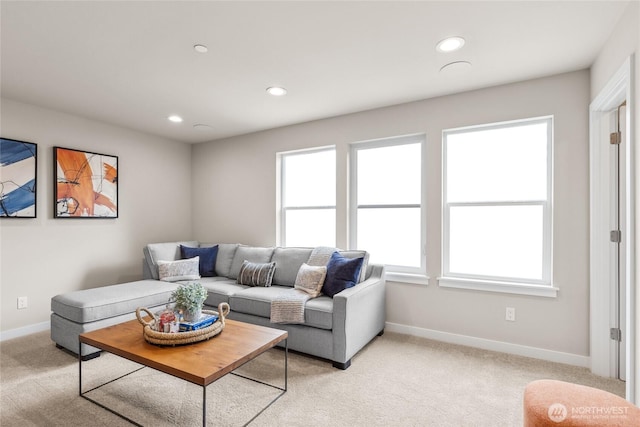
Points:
(559, 403)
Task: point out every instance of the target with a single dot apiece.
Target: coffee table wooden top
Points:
(200, 363)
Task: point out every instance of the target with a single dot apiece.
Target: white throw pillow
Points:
(310, 279)
(182, 269)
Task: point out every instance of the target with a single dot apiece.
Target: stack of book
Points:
(203, 322)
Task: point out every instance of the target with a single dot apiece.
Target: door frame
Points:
(603, 298)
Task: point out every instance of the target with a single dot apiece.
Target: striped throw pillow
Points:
(256, 274)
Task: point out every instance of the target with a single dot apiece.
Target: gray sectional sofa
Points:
(335, 328)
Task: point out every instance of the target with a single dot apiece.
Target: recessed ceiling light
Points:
(175, 119)
(450, 44)
(200, 48)
(276, 91)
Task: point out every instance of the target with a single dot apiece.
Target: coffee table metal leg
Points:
(80, 368)
(84, 394)
(204, 405)
(204, 388)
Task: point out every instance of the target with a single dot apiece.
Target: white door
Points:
(608, 307)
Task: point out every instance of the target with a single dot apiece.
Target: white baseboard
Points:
(25, 330)
(485, 344)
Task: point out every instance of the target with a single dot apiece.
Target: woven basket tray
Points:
(179, 338)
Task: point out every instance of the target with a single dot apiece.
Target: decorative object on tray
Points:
(167, 321)
(189, 298)
(205, 320)
(152, 336)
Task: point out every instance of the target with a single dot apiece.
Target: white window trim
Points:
(498, 286)
(281, 238)
(415, 279)
(542, 287)
(404, 274)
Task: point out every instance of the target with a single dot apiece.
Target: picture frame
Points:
(18, 178)
(85, 184)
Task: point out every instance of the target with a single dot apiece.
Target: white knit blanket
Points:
(288, 307)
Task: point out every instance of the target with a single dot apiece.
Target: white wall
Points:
(622, 43)
(234, 200)
(42, 257)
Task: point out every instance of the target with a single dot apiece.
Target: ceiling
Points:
(132, 63)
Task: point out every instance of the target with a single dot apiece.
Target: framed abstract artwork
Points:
(18, 172)
(86, 184)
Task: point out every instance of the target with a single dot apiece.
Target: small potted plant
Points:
(189, 298)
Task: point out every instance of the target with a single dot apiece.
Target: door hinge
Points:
(615, 236)
(615, 138)
(615, 334)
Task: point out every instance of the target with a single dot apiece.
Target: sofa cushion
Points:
(207, 256)
(182, 269)
(342, 273)
(251, 254)
(219, 289)
(318, 312)
(163, 251)
(256, 300)
(310, 279)
(89, 305)
(256, 274)
(226, 251)
(288, 262)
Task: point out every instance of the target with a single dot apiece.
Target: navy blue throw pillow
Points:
(207, 256)
(342, 273)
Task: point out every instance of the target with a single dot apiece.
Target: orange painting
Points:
(86, 184)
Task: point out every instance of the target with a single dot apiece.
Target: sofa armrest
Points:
(358, 315)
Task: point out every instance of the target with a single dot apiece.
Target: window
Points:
(387, 203)
(308, 198)
(497, 182)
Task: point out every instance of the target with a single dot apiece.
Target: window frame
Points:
(516, 285)
(281, 196)
(396, 273)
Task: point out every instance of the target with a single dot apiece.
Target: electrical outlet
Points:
(510, 314)
(22, 303)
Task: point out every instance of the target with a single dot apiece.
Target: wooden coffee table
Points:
(200, 363)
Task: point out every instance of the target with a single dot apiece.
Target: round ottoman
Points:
(558, 403)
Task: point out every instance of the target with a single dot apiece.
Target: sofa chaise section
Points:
(86, 310)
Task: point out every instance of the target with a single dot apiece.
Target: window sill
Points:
(504, 287)
(416, 279)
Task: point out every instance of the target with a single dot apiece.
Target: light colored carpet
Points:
(396, 380)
